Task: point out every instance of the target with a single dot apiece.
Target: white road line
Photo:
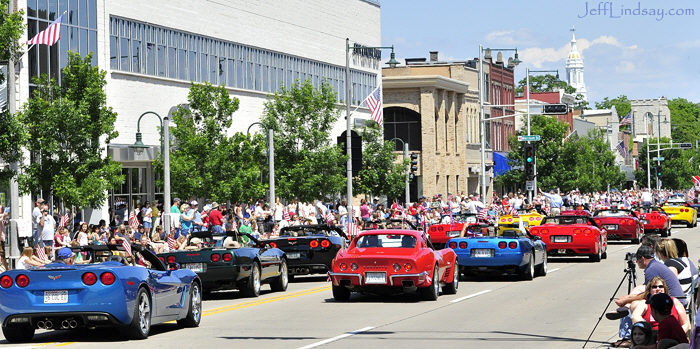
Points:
(329, 340)
(553, 270)
(469, 296)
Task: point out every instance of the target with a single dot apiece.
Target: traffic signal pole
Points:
(530, 193)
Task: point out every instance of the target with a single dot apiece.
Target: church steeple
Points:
(574, 68)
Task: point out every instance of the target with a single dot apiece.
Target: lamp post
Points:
(392, 63)
(408, 168)
(270, 159)
(482, 118)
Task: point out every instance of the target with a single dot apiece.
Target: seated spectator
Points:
(194, 244)
(25, 260)
(666, 251)
(642, 334)
(36, 258)
(670, 331)
(641, 310)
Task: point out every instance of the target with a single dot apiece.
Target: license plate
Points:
(375, 278)
(560, 239)
(645, 221)
(293, 255)
(482, 252)
(60, 296)
(610, 226)
(451, 234)
(195, 267)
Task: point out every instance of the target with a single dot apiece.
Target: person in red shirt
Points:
(216, 220)
(670, 331)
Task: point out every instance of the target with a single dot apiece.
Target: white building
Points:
(152, 50)
(574, 68)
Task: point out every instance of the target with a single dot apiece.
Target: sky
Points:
(625, 52)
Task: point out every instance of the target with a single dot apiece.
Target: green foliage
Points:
(307, 165)
(11, 30)
(586, 163)
(207, 163)
(580, 103)
(380, 174)
(677, 169)
(621, 103)
(544, 83)
(685, 120)
(67, 127)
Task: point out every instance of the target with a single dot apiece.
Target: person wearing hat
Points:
(36, 216)
(65, 256)
(195, 244)
(175, 216)
(197, 220)
(216, 219)
(670, 331)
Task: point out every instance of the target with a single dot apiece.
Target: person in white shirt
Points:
(278, 211)
(47, 227)
(147, 215)
(647, 198)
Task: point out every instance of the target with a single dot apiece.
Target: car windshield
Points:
(675, 203)
(307, 232)
(567, 220)
(116, 253)
(387, 240)
(651, 209)
(613, 213)
(470, 218)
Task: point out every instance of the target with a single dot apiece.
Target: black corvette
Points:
(309, 249)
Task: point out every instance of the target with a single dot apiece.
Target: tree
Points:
(685, 120)
(621, 104)
(677, 168)
(580, 103)
(380, 173)
(544, 83)
(207, 163)
(12, 134)
(307, 166)
(67, 128)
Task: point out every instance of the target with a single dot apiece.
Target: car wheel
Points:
(690, 224)
(542, 268)
(194, 313)
(432, 292)
(598, 256)
(664, 233)
(141, 322)
(452, 287)
(18, 334)
(341, 294)
(252, 285)
(528, 272)
(669, 231)
(280, 283)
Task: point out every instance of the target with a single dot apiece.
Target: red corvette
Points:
(655, 220)
(580, 212)
(621, 224)
(393, 261)
(573, 235)
(450, 227)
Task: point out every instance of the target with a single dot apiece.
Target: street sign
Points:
(659, 158)
(686, 145)
(529, 185)
(532, 138)
(555, 109)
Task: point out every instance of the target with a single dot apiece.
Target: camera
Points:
(630, 257)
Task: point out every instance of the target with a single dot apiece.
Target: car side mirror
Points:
(173, 266)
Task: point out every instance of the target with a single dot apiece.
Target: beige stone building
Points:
(434, 106)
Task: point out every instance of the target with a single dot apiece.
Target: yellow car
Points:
(681, 212)
(530, 219)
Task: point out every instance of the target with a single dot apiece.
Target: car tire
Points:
(194, 313)
(251, 288)
(541, 269)
(432, 292)
(597, 256)
(452, 287)
(669, 232)
(280, 283)
(664, 233)
(341, 293)
(528, 272)
(141, 322)
(18, 334)
(290, 277)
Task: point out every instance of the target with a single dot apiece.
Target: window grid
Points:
(184, 56)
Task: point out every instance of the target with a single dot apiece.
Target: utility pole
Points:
(658, 150)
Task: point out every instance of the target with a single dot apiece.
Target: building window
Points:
(404, 124)
(185, 56)
(78, 34)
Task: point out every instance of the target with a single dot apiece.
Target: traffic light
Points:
(529, 158)
(658, 171)
(555, 109)
(414, 165)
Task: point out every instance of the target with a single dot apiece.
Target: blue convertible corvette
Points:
(513, 251)
(111, 290)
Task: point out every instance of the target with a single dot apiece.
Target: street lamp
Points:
(348, 140)
(482, 119)
(408, 169)
(270, 159)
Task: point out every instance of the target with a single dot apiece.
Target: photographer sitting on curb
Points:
(670, 333)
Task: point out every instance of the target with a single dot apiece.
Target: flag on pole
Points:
(696, 182)
(352, 229)
(627, 120)
(48, 36)
(41, 253)
(172, 243)
(64, 221)
(286, 215)
(622, 149)
(127, 247)
(374, 103)
(133, 220)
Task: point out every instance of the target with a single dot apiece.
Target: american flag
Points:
(329, 217)
(352, 229)
(127, 247)
(133, 220)
(205, 222)
(48, 36)
(696, 182)
(41, 253)
(483, 214)
(621, 149)
(286, 215)
(64, 221)
(627, 120)
(374, 103)
(172, 243)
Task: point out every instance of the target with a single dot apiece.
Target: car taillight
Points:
(227, 257)
(510, 220)
(6, 281)
(441, 228)
(503, 220)
(342, 266)
(162, 259)
(272, 244)
(22, 280)
(313, 243)
(502, 244)
(107, 278)
(354, 266)
(89, 278)
(407, 266)
(587, 231)
(397, 266)
(432, 229)
(544, 231)
(462, 244)
(171, 259)
(538, 218)
(325, 243)
(453, 245)
(215, 257)
(577, 231)
(597, 221)
(512, 244)
(532, 219)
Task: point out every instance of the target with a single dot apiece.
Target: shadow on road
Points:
(96, 335)
(309, 278)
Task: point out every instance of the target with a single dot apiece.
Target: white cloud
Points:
(510, 38)
(537, 56)
(689, 44)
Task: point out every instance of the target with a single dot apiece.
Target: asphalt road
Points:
(555, 311)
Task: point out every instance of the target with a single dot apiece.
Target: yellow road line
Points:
(267, 300)
(64, 344)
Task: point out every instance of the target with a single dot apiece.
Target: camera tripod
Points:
(631, 277)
